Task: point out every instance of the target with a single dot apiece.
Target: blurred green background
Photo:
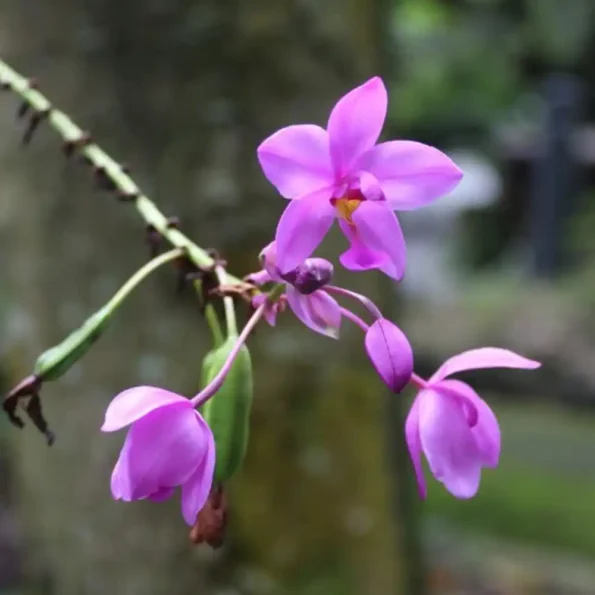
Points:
(183, 91)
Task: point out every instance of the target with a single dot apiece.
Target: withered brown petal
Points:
(22, 391)
(35, 413)
(211, 521)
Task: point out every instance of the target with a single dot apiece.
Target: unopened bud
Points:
(227, 412)
(310, 276)
(57, 360)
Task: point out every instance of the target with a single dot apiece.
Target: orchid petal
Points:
(378, 228)
(485, 430)
(259, 278)
(296, 160)
(135, 403)
(318, 311)
(484, 357)
(268, 261)
(355, 124)
(449, 444)
(119, 484)
(302, 227)
(162, 494)
(391, 353)
(163, 450)
(468, 405)
(360, 257)
(411, 174)
(369, 186)
(196, 489)
(270, 312)
(414, 445)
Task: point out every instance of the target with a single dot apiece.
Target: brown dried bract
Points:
(26, 395)
(243, 290)
(21, 392)
(211, 520)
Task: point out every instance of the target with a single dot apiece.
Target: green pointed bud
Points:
(57, 360)
(228, 411)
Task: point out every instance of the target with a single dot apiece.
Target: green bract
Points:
(228, 411)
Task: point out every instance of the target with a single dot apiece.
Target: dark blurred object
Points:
(556, 173)
(10, 559)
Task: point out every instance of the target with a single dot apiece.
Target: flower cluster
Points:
(335, 173)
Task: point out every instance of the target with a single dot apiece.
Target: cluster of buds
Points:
(339, 173)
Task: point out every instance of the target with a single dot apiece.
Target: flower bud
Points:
(57, 360)
(310, 276)
(390, 352)
(227, 412)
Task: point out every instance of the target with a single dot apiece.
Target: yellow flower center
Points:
(348, 204)
(346, 207)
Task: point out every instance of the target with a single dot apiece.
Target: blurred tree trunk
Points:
(184, 91)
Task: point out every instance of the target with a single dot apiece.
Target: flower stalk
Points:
(57, 360)
(108, 171)
(228, 305)
(206, 393)
(362, 299)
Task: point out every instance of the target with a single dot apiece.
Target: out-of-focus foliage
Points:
(560, 30)
(451, 80)
(466, 65)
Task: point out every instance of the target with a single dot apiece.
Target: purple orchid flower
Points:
(168, 445)
(341, 173)
(303, 292)
(454, 428)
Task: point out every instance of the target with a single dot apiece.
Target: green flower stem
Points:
(57, 360)
(228, 305)
(73, 136)
(140, 276)
(213, 322)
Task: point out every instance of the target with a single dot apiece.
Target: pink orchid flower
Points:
(454, 428)
(168, 445)
(342, 173)
(303, 292)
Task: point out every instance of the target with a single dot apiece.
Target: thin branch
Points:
(36, 107)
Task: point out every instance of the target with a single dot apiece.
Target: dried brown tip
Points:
(33, 409)
(126, 196)
(211, 521)
(26, 394)
(33, 125)
(153, 239)
(26, 388)
(103, 179)
(23, 109)
(173, 222)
